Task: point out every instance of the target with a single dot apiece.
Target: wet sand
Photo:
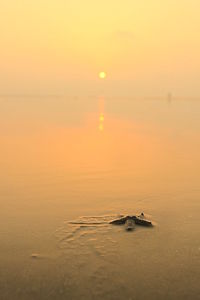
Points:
(67, 169)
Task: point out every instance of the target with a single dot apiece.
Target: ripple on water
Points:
(88, 235)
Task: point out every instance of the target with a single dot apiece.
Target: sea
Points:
(68, 167)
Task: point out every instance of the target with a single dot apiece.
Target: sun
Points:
(102, 75)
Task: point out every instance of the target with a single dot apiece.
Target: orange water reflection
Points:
(131, 155)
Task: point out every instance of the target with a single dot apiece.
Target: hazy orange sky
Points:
(147, 47)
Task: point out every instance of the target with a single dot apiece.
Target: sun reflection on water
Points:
(101, 122)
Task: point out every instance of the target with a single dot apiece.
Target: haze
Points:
(59, 47)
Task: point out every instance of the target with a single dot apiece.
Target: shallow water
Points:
(69, 166)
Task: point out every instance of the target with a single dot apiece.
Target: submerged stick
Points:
(129, 224)
(120, 221)
(140, 221)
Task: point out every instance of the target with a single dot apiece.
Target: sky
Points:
(146, 47)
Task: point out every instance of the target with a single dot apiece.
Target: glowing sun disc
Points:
(102, 75)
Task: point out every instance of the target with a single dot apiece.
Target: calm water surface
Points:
(87, 161)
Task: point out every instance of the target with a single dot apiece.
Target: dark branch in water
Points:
(139, 220)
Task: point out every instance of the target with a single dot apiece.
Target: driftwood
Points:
(139, 220)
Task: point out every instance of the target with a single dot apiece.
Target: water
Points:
(68, 167)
